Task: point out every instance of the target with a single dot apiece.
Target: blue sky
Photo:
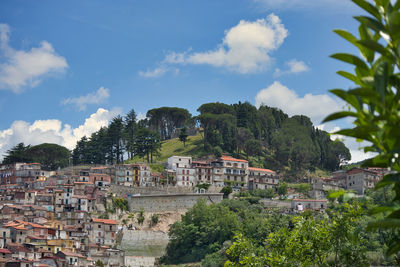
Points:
(67, 67)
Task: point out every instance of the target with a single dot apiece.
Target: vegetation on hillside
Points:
(50, 156)
(265, 136)
(241, 232)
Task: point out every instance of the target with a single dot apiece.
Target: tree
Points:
(50, 156)
(226, 190)
(374, 100)
(17, 154)
(282, 189)
(130, 127)
(183, 136)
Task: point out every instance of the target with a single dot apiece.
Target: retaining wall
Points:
(171, 202)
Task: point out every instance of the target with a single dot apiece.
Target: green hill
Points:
(193, 147)
(173, 147)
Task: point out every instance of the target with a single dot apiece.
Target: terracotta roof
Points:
(72, 254)
(5, 251)
(229, 158)
(105, 221)
(259, 169)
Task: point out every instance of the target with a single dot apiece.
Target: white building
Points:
(185, 173)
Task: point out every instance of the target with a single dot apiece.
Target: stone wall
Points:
(122, 191)
(139, 261)
(170, 202)
(144, 243)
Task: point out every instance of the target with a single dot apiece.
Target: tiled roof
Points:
(259, 169)
(105, 221)
(5, 251)
(229, 158)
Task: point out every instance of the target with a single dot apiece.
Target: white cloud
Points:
(53, 131)
(294, 66)
(98, 97)
(26, 68)
(317, 107)
(245, 48)
(140, 116)
(157, 72)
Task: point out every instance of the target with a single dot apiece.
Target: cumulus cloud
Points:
(317, 107)
(26, 68)
(245, 48)
(157, 72)
(81, 102)
(355, 147)
(53, 131)
(294, 66)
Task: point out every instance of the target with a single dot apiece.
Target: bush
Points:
(226, 191)
(154, 218)
(140, 218)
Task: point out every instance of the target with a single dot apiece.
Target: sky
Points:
(68, 67)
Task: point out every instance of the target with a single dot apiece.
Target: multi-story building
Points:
(203, 172)
(360, 180)
(99, 176)
(20, 173)
(234, 171)
(103, 231)
(262, 178)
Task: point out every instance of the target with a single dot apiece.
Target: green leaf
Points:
(384, 223)
(346, 35)
(371, 23)
(381, 209)
(351, 99)
(339, 115)
(388, 179)
(375, 46)
(381, 79)
(393, 248)
(368, 7)
(349, 76)
(351, 59)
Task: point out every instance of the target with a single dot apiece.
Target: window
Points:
(110, 227)
(187, 172)
(183, 171)
(99, 226)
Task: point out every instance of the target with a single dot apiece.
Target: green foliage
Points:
(226, 190)
(183, 136)
(140, 218)
(99, 263)
(156, 167)
(50, 156)
(282, 189)
(302, 188)
(154, 218)
(204, 186)
(264, 193)
(166, 120)
(203, 230)
(373, 102)
(120, 203)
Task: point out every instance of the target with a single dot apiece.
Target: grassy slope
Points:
(174, 147)
(193, 147)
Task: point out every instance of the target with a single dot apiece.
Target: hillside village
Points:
(60, 218)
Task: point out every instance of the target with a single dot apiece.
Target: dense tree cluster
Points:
(50, 156)
(123, 136)
(266, 135)
(283, 141)
(241, 232)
